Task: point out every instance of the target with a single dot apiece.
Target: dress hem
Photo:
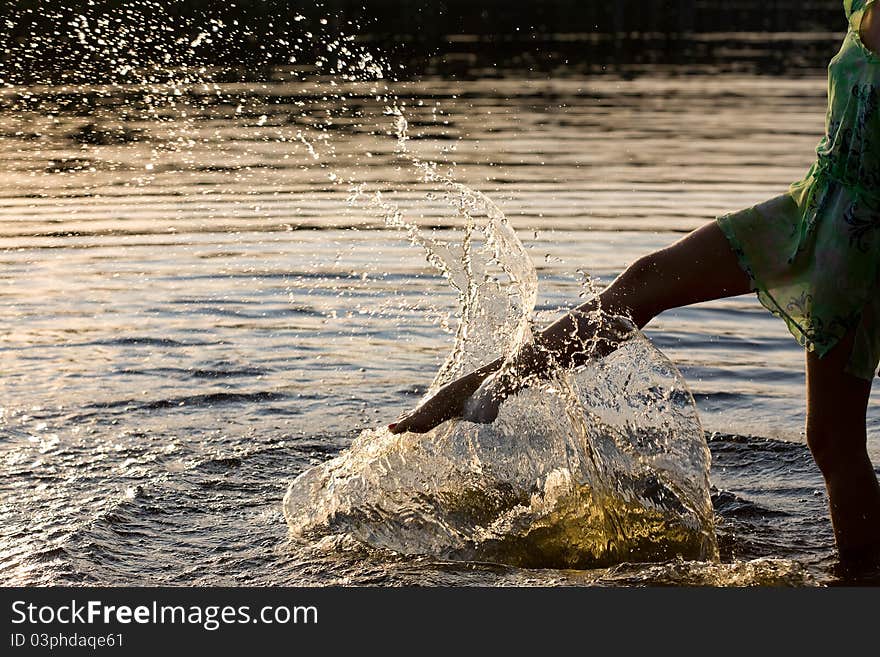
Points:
(764, 296)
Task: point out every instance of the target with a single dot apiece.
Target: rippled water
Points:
(194, 313)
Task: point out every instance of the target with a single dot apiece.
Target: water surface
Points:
(195, 313)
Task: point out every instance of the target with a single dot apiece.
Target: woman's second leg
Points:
(836, 405)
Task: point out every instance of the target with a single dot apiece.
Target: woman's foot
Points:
(451, 402)
(445, 404)
(482, 407)
(475, 397)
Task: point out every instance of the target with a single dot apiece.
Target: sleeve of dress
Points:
(854, 10)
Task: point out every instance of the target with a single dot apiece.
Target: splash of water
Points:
(591, 467)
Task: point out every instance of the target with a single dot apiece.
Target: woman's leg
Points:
(699, 267)
(836, 407)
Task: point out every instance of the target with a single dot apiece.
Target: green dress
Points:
(812, 253)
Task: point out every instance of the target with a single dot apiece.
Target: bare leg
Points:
(836, 407)
(699, 267)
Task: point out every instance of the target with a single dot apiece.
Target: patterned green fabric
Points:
(812, 253)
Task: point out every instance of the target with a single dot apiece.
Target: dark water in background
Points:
(193, 314)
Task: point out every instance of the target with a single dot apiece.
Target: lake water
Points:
(194, 313)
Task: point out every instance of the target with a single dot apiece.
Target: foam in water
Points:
(585, 468)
